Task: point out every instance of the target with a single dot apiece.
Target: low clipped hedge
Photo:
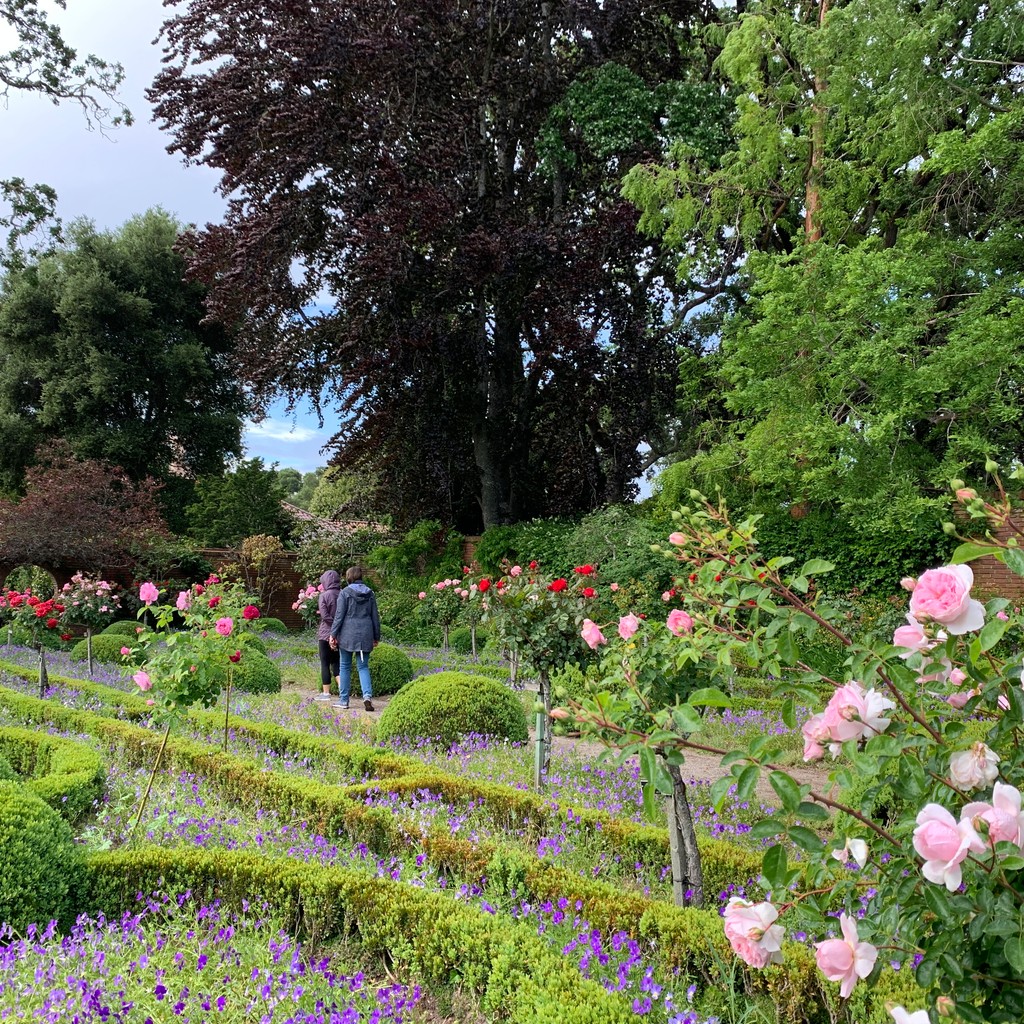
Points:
(106, 648)
(123, 627)
(447, 705)
(39, 862)
(7, 772)
(68, 776)
(271, 625)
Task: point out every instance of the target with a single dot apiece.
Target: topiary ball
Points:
(256, 673)
(460, 640)
(390, 670)
(271, 625)
(388, 634)
(124, 627)
(38, 860)
(106, 648)
(256, 643)
(447, 705)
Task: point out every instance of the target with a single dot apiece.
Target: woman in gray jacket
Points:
(355, 631)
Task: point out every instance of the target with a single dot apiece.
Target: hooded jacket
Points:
(327, 604)
(356, 621)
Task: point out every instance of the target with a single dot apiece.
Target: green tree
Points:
(872, 346)
(102, 343)
(232, 506)
(43, 62)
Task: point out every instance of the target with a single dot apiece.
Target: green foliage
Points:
(123, 627)
(428, 549)
(255, 673)
(7, 772)
(232, 506)
(539, 540)
(39, 862)
(387, 633)
(106, 648)
(21, 634)
(447, 705)
(460, 640)
(31, 577)
(390, 669)
(269, 624)
(397, 605)
(414, 634)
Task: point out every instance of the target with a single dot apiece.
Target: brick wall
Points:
(992, 578)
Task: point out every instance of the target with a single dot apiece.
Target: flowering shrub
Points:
(307, 604)
(89, 602)
(441, 603)
(938, 714)
(31, 611)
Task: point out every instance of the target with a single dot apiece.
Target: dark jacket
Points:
(327, 604)
(356, 621)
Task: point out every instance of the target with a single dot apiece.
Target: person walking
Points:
(355, 632)
(327, 604)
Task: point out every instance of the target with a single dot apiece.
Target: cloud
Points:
(280, 430)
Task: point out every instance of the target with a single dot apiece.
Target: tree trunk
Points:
(542, 744)
(686, 870)
(44, 679)
(812, 202)
(88, 649)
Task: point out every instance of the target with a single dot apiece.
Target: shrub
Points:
(38, 860)
(390, 669)
(256, 643)
(123, 627)
(271, 625)
(105, 648)
(460, 640)
(388, 634)
(421, 636)
(256, 673)
(448, 704)
(7, 772)
(48, 638)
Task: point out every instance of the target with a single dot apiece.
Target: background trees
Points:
(103, 344)
(440, 183)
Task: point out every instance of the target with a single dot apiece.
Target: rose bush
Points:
(938, 713)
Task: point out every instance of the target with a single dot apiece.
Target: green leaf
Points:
(969, 551)
(747, 782)
(767, 828)
(1014, 559)
(809, 811)
(991, 633)
(789, 712)
(926, 973)
(720, 792)
(788, 650)
(806, 839)
(710, 696)
(787, 789)
(686, 719)
(815, 567)
(1013, 950)
(773, 866)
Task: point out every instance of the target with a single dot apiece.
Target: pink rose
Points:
(628, 625)
(944, 595)
(1002, 616)
(816, 735)
(142, 680)
(224, 626)
(148, 593)
(1003, 816)
(591, 632)
(752, 932)
(679, 622)
(911, 637)
(944, 845)
(613, 587)
(957, 676)
(908, 583)
(974, 768)
(901, 1016)
(184, 601)
(516, 570)
(959, 700)
(666, 595)
(423, 594)
(677, 539)
(125, 651)
(846, 959)
(853, 712)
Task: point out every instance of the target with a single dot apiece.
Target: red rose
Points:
(557, 585)
(500, 584)
(213, 602)
(533, 565)
(693, 577)
(33, 600)
(584, 570)
(52, 623)
(718, 577)
(65, 637)
(588, 591)
(236, 657)
(250, 612)
(59, 607)
(483, 586)
(199, 588)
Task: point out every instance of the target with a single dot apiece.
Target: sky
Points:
(111, 176)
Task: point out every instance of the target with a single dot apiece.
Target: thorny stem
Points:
(152, 775)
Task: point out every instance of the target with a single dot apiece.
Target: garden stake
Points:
(88, 647)
(227, 706)
(43, 678)
(149, 785)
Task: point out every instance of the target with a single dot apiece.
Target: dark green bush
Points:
(48, 638)
(256, 673)
(543, 540)
(272, 625)
(387, 634)
(38, 860)
(397, 605)
(390, 670)
(446, 705)
(7, 772)
(415, 635)
(123, 627)
(460, 640)
(106, 648)
(256, 643)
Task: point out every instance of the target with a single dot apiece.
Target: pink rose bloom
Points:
(911, 637)
(752, 932)
(816, 734)
(908, 583)
(666, 595)
(901, 1016)
(125, 651)
(679, 622)
(1003, 816)
(974, 768)
(613, 587)
(958, 700)
(142, 680)
(1002, 616)
(677, 538)
(853, 712)
(184, 601)
(944, 845)
(148, 593)
(628, 625)
(591, 632)
(944, 595)
(846, 959)
(957, 676)
(423, 594)
(224, 626)
(516, 570)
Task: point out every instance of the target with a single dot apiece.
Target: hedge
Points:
(106, 648)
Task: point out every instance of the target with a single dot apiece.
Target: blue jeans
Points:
(345, 674)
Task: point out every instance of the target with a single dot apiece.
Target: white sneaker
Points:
(323, 696)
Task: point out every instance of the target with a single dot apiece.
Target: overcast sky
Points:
(113, 176)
